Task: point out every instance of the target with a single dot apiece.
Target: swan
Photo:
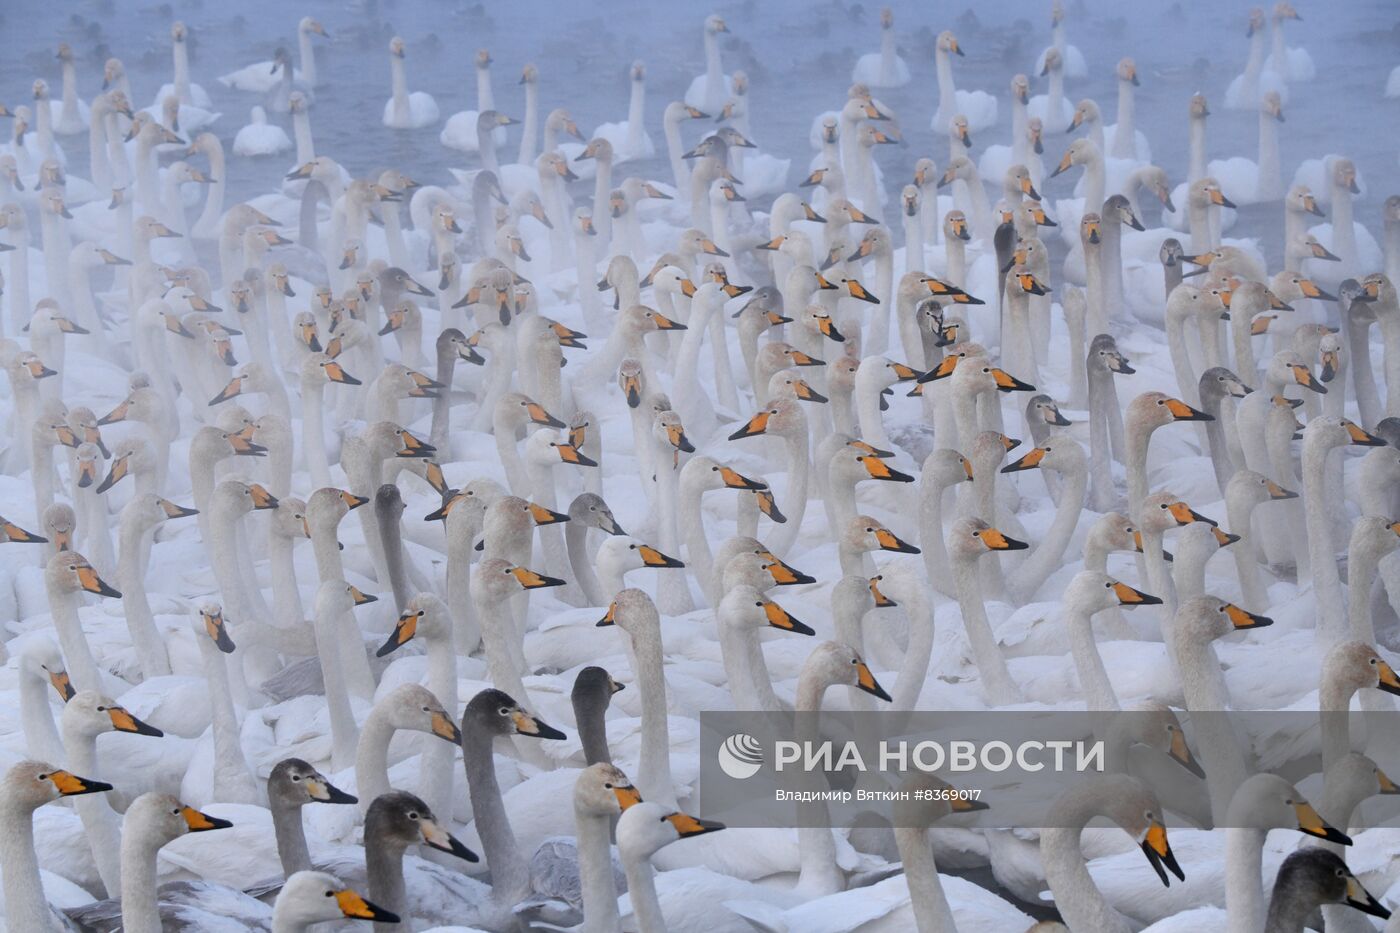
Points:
(884, 68)
(405, 110)
(459, 132)
(260, 138)
(1311, 878)
(71, 115)
(629, 138)
(1245, 88)
(979, 107)
(262, 77)
(709, 91)
(1073, 58)
(1246, 182)
(1290, 64)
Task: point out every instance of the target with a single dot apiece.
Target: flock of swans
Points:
(473, 703)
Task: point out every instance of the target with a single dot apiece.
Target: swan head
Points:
(1344, 176)
(396, 47)
(645, 828)
(311, 26)
(863, 534)
(1267, 801)
(971, 537)
(500, 579)
(947, 42)
(1155, 725)
(1207, 618)
(1127, 71)
(113, 71)
(1256, 21)
(1129, 803)
(313, 896)
(1198, 107)
(929, 799)
(1352, 665)
(833, 663)
(40, 658)
(70, 572)
(495, 713)
(1053, 62)
(59, 523)
(589, 509)
(714, 24)
(1152, 410)
(603, 790)
(1284, 10)
(294, 783)
(483, 59)
(29, 785)
(90, 714)
(412, 706)
(550, 448)
(1085, 112)
(398, 819)
(1090, 592)
(1313, 877)
(633, 611)
(1271, 105)
(622, 553)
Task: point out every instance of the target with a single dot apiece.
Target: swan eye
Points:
(608, 786)
(870, 530)
(413, 816)
(1108, 586)
(504, 711)
(102, 709)
(425, 709)
(1341, 873)
(296, 778)
(631, 547)
(1373, 662)
(330, 894)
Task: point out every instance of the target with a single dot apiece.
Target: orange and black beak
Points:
(1159, 853)
(123, 721)
(1180, 411)
(881, 600)
(1360, 438)
(755, 426)
(69, 784)
(996, 541)
(859, 292)
(686, 825)
(202, 822)
(217, 630)
(14, 533)
(890, 542)
(1029, 462)
(651, 557)
(943, 370)
(544, 516)
(530, 580)
(778, 617)
(92, 583)
(1239, 618)
(866, 681)
(336, 373)
(878, 469)
(1127, 596)
(568, 453)
(355, 907)
(1009, 383)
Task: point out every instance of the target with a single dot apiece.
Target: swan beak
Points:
(438, 838)
(686, 825)
(1360, 438)
(450, 498)
(755, 426)
(68, 327)
(778, 617)
(92, 583)
(1239, 618)
(811, 214)
(1054, 417)
(1127, 596)
(38, 370)
(1310, 289)
(1029, 462)
(813, 179)
(879, 469)
(1359, 898)
(1224, 538)
(1009, 383)
(414, 288)
(544, 516)
(1312, 824)
(323, 791)
(1185, 515)
(687, 288)
(114, 475)
(732, 479)
(568, 453)
(806, 393)
(1180, 752)
(336, 373)
(996, 541)
(1119, 364)
(1303, 376)
(1180, 411)
(69, 784)
(785, 575)
(708, 246)
(881, 600)
(217, 630)
(1386, 785)
(202, 822)
(772, 244)
(232, 390)
(676, 435)
(18, 535)
(63, 685)
(530, 580)
(664, 323)
(943, 370)
(632, 389)
(424, 386)
(539, 416)
(651, 557)
(415, 446)
(1065, 163)
(1031, 285)
(768, 505)
(1217, 197)
(958, 227)
(801, 359)
(1386, 679)
(1028, 188)
(866, 681)
(525, 724)
(353, 905)
(351, 500)
(243, 447)
(359, 597)
(626, 795)
(403, 633)
(609, 618)
(123, 721)
(1276, 303)
(890, 542)
(904, 373)
(1321, 252)
(1278, 492)
(1159, 853)
(445, 728)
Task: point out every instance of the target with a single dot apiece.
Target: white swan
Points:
(260, 138)
(406, 110)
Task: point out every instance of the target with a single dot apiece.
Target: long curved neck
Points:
(140, 911)
(917, 653)
(636, 108)
(1125, 135)
(1046, 558)
(291, 840)
(71, 639)
(344, 732)
(400, 83)
(384, 869)
(654, 768)
(314, 442)
(1321, 554)
(25, 905)
(996, 679)
(1343, 230)
(714, 72)
(150, 648)
(595, 874)
(1099, 695)
(1080, 903)
(1244, 865)
(40, 734)
(641, 889)
(1270, 176)
(932, 913)
(1197, 168)
(697, 545)
(530, 131)
(306, 52)
(510, 876)
(946, 88)
(372, 759)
